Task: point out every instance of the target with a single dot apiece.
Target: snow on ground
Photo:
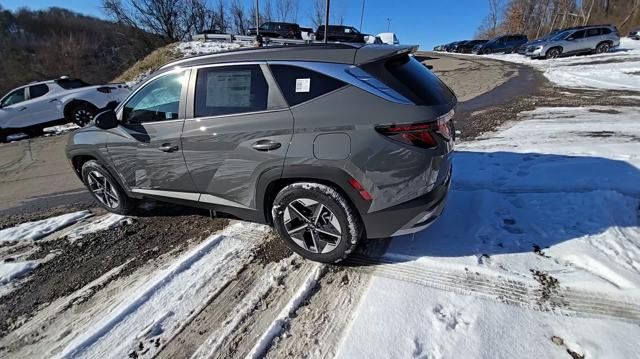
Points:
(165, 301)
(101, 223)
(537, 252)
(10, 271)
(616, 70)
(57, 130)
(191, 48)
(32, 231)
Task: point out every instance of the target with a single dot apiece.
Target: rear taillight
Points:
(423, 135)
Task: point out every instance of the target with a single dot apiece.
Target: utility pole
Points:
(388, 24)
(362, 15)
(326, 21)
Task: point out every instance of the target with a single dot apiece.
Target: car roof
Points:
(342, 53)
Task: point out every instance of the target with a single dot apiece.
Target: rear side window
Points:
(230, 90)
(70, 84)
(413, 80)
(300, 85)
(36, 91)
(593, 32)
(606, 31)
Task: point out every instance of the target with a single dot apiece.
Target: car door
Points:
(145, 147)
(592, 39)
(41, 108)
(575, 42)
(237, 131)
(12, 109)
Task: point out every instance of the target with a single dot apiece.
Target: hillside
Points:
(38, 45)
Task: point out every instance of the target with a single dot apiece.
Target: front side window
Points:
(158, 100)
(230, 90)
(577, 35)
(300, 85)
(13, 98)
(36, 91)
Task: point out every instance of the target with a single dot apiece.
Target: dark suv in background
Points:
(507, 43)
(340, 33)
(368, 155)
(467, 47)
(278, 30)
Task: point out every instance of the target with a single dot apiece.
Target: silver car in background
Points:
(589, 39)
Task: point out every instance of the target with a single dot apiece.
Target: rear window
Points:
(413, 80)
(300, 85)
(70, 84)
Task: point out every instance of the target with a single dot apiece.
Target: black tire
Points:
(553, 53)
(314, 241)
(603, 48)
(82, 113)
(98, 173)
(486, 52)
(35, 132)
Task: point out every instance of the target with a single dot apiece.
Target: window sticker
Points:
(303, 85)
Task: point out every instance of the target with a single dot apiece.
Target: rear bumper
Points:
(409, 217)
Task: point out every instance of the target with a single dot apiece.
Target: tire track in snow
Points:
(515, 291)
(173, 297)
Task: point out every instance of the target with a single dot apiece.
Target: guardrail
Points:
(247, 38)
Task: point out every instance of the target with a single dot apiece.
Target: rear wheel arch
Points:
(73, 104)
(274, 187)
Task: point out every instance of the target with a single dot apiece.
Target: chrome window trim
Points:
(352, 75)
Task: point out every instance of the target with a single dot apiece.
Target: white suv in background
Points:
(31, 108)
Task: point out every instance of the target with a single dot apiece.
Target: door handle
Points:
(266, 145)
(167, 147)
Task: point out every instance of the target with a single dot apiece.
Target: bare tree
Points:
(220, 17)
(239, 17)
(266, 15)
(287, 10)
(317, 14)
(168, 18)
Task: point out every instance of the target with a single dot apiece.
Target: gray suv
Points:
(588, 39)
(329, 143)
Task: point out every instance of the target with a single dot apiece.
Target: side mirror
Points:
(106, 120)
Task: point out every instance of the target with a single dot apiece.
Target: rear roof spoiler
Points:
(372, 53)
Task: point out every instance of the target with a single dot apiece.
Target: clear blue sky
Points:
(423, 22)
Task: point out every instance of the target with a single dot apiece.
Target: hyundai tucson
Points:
(328, 143)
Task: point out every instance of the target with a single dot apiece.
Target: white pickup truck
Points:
(31, 108)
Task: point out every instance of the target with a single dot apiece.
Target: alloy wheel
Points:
(312, 225)
(82, 116)
(604, 48)
(103, 189)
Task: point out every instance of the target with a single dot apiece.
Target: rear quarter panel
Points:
(392, 172)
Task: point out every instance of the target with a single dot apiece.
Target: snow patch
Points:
(32, 231)
(10, 271)
(101, 223)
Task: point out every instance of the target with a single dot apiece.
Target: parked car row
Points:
(31, 108)
(507, 43)
(558, 43)
(635, 34)
(335, 33)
